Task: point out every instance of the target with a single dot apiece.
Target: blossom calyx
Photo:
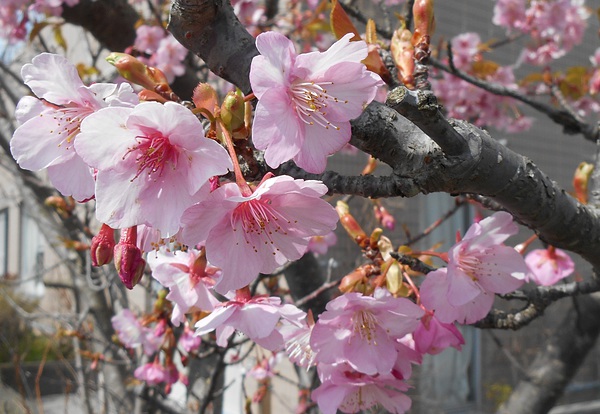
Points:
(128, 258)
(205, 97)
(103, 245)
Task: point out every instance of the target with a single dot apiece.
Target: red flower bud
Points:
(103, 245)
(128, 258)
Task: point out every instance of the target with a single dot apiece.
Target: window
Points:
(33, 245)
(3, 242)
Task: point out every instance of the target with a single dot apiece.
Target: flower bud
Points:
(128, 258)
(103, 245)
(352, 279)
(403, 56)
(423, 20)
(384, 217)
(132, 69)
(349, 222)
(233, 114)
(581, 180)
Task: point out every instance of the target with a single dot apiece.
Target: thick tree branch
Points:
(210, 30)
(94, 16)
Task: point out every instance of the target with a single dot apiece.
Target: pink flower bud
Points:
(128, 258)
(103, 245)
(384, 217)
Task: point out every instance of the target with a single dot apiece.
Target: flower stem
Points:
(239, 177)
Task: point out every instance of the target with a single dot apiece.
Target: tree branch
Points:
(210, 29)
(571, 125)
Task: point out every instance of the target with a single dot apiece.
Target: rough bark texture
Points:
(210, 29)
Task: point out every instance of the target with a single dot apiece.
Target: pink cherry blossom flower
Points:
(189, 341)
(433, 336)
(188, 277)
(479, 266)
(465, 101)
(305, 102)
(510, 14)
(360, 329)
(320, 244)
(554, 26)
(148, 38)
(50, 126)
(296, 338)
(434, 295)
(132, 334)
(151, 159)
(349, 391)
(169, 57)
(465, 47)
(256, 317)
(153, 373)
(548, 266)
(265, 367)
(261, 231)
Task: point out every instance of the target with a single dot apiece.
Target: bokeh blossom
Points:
(548, 266)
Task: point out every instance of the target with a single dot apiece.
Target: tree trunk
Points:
(557, 363)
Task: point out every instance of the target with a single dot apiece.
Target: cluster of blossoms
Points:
(555, 26)
(156, 175)
(347, 341)
(158, 48)
(466, 101)
(17, 16)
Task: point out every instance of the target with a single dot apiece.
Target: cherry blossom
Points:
(350, 391)
(548, 266)
(555, 26)
(256, 317)
(154, 373)
(188, 277)
(320, 244)
(148, 38)
(132, 334)
(189, 341)
(50, 125)
(358, 329)
(433, 336)
(163, 50)
(466, 101)
(150, 159)
(479, 266)
(262, 230)
(296, 337)
(305, 102)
